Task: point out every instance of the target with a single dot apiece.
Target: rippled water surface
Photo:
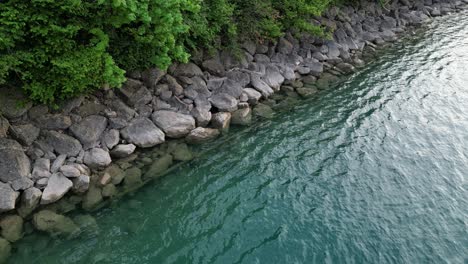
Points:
(374, 171)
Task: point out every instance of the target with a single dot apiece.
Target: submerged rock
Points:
(132, 177)
(263, 110)
(92, 198)
(201, 134)
(5, 250)
(160, 166)
(180, 151)
(54, 224)
(81, 184)
(242, 117)
(12, 227)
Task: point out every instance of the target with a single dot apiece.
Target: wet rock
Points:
(57, 186)
(260, 85)
(174, 124)
(62, 144)
(134, 93)
(306, 91)
(54, 224)
(221, 121)
(242, 117)
(97, 158)
(89, 130)
(202, 116)
(143, 133)
(160, 166)
(303, 70)
(12, 227)
(252, 95)
(22, 183)
(81, 183)
(92, 198)
(263, 110)
(109, 190)
(346, 67)
(333, 49)
(188, 70)
(7, 197)
(70, 171)
(132, 177)
(180, 151)
(53, 122)
(14, 164)
(4, 126)
(116, 174)
(201, 134)
(316, 68)
(29, 201)
(122, 151)
(25, 134)
(326, 80)
(309, 79)
(111, 138)
(5, 250)
(86, 223)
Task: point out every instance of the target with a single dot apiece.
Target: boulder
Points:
(202, 116)
(238, 76)
(41, 168)
(14, 163)
(284, 46)
(123, 111)
(306, 91)
(188, 70)
(175, 125)
(62, 144)
(230, 87)
(263, 110)
(132, 177)
(273, 77)
(4, 126)
(53, 121)
(180, 151)
(92, 198)
(123, 150)
(29, 201)
(160, 166)
(252, 95)
(201, 134)
(81, 183)
(57, 187)
(58, 162)
(260, 85)
(143, 133)
(25, 134)
(89, 130)
(70, 171)
(134, 93)
(116, 173)
(316, 68)
(22, 183)
(152, 76)
(174, 86)
(54, 224)
(214, 67)
(221, 121)
(97, 158)
(224, 102)
(242, 117)
(346, 67)
(5, 250)
(10, 103)
(7, 197)
(111, 138)
(109, 190)
(12, 227)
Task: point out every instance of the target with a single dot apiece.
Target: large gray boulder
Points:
(221, 121)
(29, 201)
(175, 125)
(9, 103)
(224, 102)
(123, 150)
(152, 76)
(25, 133)
(41, 168)
(134, 93)
(14, 164)
(62, 143)
(143, 133)
(7, 197)
(57, 187)
(97, 158)
(188, 70)
(89, 130)
(53, 121)
(81, 184)
(260, 85)
(202, 116)
(273, 77)
(252, 95)
(111, 138)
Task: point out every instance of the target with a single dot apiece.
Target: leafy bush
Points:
(58, 49)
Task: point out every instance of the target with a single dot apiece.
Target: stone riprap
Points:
(52, 161)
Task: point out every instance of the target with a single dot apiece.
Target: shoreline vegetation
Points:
(91, 149)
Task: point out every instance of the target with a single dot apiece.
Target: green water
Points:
(374, 171)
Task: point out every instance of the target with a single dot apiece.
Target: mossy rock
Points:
(180, 151)
(132, 177)
(54, 224)
(160, 166)
(306, 91)
(12, 227)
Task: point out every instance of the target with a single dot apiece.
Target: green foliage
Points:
(58, 49)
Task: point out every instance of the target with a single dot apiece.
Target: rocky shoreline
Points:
(97, 147)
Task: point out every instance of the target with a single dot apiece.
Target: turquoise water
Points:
(374, 171)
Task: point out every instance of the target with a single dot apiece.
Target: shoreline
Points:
(98, 148)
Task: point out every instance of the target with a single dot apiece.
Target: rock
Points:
(122, 151)
(143, 133)
(326, 80)
(57, 187)
(58, 162)
(41, 168)
(230, 87)
(333, 49)
(12, 227)
(87, 223)
(160, 166)
(105, 179)
(70, 171)
(239, 77)
(273, 77)
(62, 144)
(303, 70)
(123, 111)
(111, 138)
(252, 95)
(53, 122)
(134, 93)
(92, 198)
(152, 76)
(54, 224)
(316, 68)
(202, 116)
(221, 121)
(89, 130)
(260, 85)
(242, 117)
(175, 125)
(174, 86)
(188, 70)
(262, 58)
(132, 177)
(25, 134)
(180, 151)
(263, 110)
(319, 56)
(7, 197)
(4, 126)
(214, 67)
(224, 102)
(285, 46)
(5, 250)
(97, 158)
(22, 183)
(14, 164)
(306, 91)
(42, 183)
(29, 201)
(116, 174)
(81, 183)
(250, 47)
(346, 67)
(201, 134)
(10, 101)
(109, 190)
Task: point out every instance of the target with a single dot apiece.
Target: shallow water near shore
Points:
(374, 171)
